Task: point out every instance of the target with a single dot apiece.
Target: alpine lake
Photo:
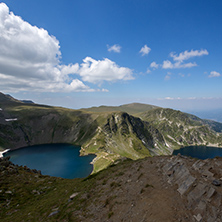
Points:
(59, 160)
(63, 160)
(199, 152)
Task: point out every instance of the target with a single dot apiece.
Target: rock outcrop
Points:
(198, 184)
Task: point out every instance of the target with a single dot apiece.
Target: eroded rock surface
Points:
(199, 185)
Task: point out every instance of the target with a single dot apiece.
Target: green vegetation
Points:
(182, 129)
(109, 132)
(132, 108)
(27, 195)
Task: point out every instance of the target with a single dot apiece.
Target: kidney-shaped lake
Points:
(59, 160)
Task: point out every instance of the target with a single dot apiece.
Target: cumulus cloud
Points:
(97, 71)
(145, 50)
(167, 64)
(188, 54)
(214, 74)
(30, 59)
(154, 65)
(114, 48)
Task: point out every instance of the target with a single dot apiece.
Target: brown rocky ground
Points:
(167, 188)
(158, 189)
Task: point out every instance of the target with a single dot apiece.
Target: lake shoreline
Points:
(58, 160)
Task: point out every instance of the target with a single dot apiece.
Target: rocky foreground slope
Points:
(165, 188)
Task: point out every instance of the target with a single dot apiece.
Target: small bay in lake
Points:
(200, 152)
(59, 160)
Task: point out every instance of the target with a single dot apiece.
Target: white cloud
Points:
(167, 64)
(68, 69)
(145, 50)
(114, 48)
(97, 71)
(186, 54)
(154, 65)
(185, 65)
(105, 90)
(177, 65)
(168, 98)
(214, 74)
(179, 59)
(78, 85)
(30, 59)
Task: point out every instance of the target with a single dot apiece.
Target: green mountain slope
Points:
(182, 129)
(110, 135)
(132, 108)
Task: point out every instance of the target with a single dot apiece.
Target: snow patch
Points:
(143, 141)
(9, 120)
(5, 151)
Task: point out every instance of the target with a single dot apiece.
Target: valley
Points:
(111, 133)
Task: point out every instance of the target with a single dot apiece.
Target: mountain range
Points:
(111, 132)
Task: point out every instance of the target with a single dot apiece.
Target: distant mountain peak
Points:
(131, 108)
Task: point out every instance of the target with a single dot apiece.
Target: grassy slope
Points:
(182, 129)
(28, 196)
(132, 108)
(32, 196)
(114, 139)
(105, 132)
(38, 124)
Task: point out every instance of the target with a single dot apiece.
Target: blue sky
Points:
(86, 53)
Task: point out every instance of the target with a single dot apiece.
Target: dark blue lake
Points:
(200, 152)
(59, 160)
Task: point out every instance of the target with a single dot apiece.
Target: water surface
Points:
(200, 152)
(59, 160)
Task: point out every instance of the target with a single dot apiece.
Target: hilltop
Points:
(111, 133)
(131, 108)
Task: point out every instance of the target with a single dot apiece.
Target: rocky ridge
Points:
(165, 188)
